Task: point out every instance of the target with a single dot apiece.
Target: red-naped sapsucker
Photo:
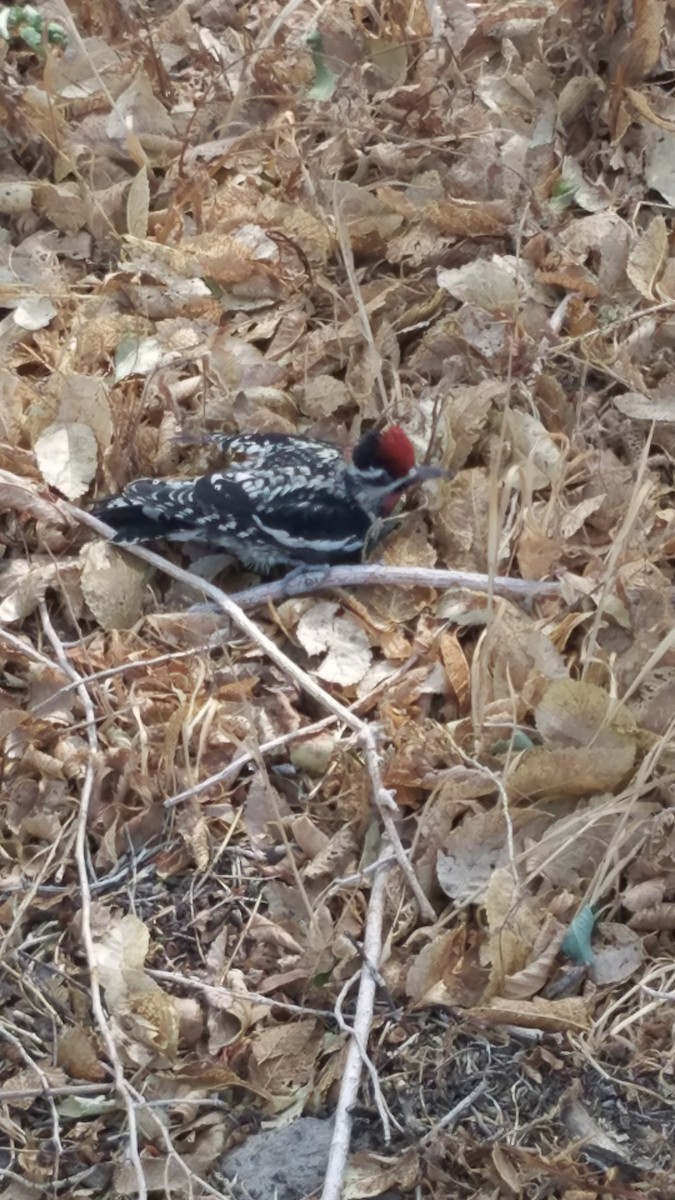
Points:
(278, 500)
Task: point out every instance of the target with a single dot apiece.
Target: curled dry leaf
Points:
(464, 417)
(652, 920)
(372, 1174)
(619, 957)
(78, 1055)
(594, 1135)
(284, 1056)
(534, 448)
(309, 837)
(145, 1017)
(494, 285)
(193, 829)
(534, 975)
(67, 456)
(645, 895)
(660, 161)
(457, 669)
(446, 971)
(323, 395)
(16, 196)
(568, 1015)
(461, 515)
(120, 943)
(22, 588)
(23, 498)
(574, 712)
(138, 204)
(138, 109)
(647, 257)
(599, 737)
(349, 654)
(113, 585)
(545, 772)
(170, 1174)
(26, 1080)
(190, 1020)
(337, 857)
(471, 853)
(514, 922)
(645, 408)
(571, 849)
(314, 754)
(77, 399)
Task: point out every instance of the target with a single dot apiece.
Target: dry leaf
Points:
(68, 456)
(113, 585)
(492, 285)
(647, 257)
(138, 204)
(471, 853)
(314, 754)
(349, 654)
(78, 1055)
(371, 1175)
(552, 1016)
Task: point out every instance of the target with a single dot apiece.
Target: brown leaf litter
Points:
(451, 216)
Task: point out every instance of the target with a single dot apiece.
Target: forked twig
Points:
(364, 732)
(131, 1098)
(386, 806)
(85, 902)
(370, 574)
(363, 1019)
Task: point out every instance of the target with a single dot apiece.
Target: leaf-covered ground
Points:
(229, 216)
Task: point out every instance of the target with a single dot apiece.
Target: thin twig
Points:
(131, 1098)
(370, 574)
(387, 1117)
(357, 296)
(44, 1091)
(25, 648)
(56, 1093)
(85, 904)
(110, 672)
(234, 767)
(217, 992)
(364, 732)
(455, 1113)
(363, 1019)
(386, 806)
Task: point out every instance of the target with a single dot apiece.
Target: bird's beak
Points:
(423, 474)
(416, 477)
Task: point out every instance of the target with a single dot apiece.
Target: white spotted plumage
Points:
(277, 501)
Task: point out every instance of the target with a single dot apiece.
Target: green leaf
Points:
(325, 80)
(80, 1107)
(563, 193)
(56, 35)
(519, 741)
(25, 22)
(577, 943)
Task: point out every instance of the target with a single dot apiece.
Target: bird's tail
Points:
(146, 510)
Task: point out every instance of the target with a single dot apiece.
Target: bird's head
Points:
(383, 467)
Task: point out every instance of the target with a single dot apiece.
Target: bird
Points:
(278, 500)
